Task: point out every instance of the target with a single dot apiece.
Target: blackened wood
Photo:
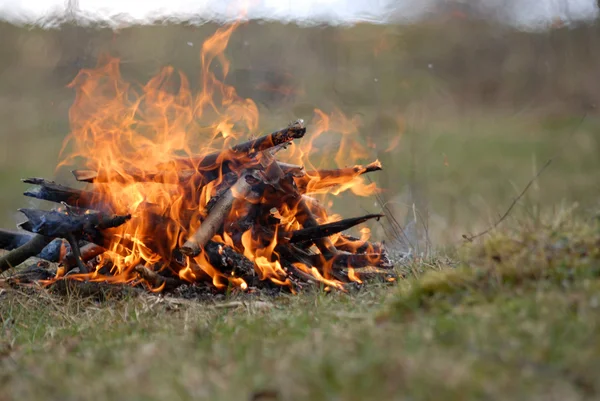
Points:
(320, 179)
(305, 216)
(86, 252)
(344, 260)
(325, 230)
(19, 255)
(76, 253)
(287, 192)
(53, 192)
(10, 239)
(132, 175)
(250, 148)
(57, 224)
(55, 251)
(230, 262)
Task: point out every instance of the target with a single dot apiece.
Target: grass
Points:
(516, 319)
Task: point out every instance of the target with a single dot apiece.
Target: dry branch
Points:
(57, 224)
(156, 280)
(320, 179)
(53, 192)
(19, 255)
(325, 230)
(209, 227)
(241, 153)
(344, 260)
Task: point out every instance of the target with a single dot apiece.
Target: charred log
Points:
(317, 180)
(31, 248)
(325, 230)
(53, 192)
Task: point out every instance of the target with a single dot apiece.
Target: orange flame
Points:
(132, 135)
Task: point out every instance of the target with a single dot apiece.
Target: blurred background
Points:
(462, 101)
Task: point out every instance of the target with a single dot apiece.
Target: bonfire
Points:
(173, 195)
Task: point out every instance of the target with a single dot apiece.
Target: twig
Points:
(396, 227)
(326, 230)
(76, 253)
(512, 205)
(157, 281)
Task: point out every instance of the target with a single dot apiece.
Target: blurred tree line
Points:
(451, 59)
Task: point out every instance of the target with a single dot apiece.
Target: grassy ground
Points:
(516, 318)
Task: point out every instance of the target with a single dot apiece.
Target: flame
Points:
(143, 143)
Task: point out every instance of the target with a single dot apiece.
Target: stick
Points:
(19, 255)
(53, 192)
(76, 253)
(86, 253)
(307, 219)
(321, 179)
(194, 244)
(10, 239)
(183, 176)
(325, 230)
(512, 205)
(249, 149)
(156, 280)
(130, 175)
(344, 260)
(56, 224)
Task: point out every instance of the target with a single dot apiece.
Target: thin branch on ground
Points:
(510, 208)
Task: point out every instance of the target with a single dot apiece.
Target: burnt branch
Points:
(158, 282)
(317, 180)
(53, 192)
(209, 227)
(325, 230)
(57, 224)
(241, 152)
(19, 255)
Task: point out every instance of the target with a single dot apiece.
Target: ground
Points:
(514, 316)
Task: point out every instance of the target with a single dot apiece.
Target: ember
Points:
(158, 213)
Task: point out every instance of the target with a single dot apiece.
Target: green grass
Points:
(516, 319)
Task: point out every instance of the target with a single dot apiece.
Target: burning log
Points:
(91, 176)
(317, 180)
(242, 152)
(209, 227)
(326, 230)
(158, 282)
